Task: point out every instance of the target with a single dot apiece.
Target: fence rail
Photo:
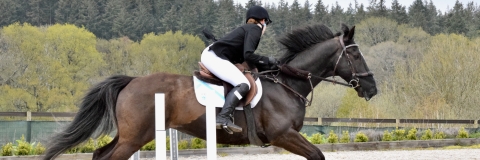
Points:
(319, 120)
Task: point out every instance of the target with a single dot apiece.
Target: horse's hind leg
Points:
(105, 151)
(294, 142)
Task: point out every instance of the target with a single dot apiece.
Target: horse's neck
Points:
(315, 61)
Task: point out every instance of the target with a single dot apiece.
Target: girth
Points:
(205, 75)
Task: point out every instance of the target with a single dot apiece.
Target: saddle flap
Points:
(205, 75)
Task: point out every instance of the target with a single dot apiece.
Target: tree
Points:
(225, 18)
(456, 22)
(417, 14)
(55, 69)
(320, 13)
(398, 13)
(169, 52)
(376, 30)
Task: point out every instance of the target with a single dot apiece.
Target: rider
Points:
(236, 47)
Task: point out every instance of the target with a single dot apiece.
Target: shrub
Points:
(304, 135)
(88, 147)
(23, 147)
(427, 135)
(73, 150)
(462, 133)
(345, 137)
(398, 134)
(150, 146)
(361, 137)
(39, 149)
(182, 144)
(332, 137)
(475, 135)
(387, 136)
(103, 141)
(7, 149)
(197, 143)
(317, 138)
(439, 135)
(412, 134)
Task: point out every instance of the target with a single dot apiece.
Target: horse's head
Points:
(320, 52)
(349, 63)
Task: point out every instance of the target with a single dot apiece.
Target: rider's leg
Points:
(226, 71)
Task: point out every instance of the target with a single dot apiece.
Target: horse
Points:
(127, 103)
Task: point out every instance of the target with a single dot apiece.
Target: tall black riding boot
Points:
(231, 101)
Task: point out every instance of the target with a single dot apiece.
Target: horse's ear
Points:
(351, 33)
(346, 32)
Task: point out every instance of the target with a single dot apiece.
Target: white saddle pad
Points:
(213, 95)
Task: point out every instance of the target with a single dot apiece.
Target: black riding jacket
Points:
(240, 44)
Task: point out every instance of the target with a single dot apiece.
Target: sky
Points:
(443, 5)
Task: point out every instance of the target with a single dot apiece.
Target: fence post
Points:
(475, 123)
(28, 137)
(319, 121)
(397, 122)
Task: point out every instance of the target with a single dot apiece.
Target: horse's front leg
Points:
(294, 142)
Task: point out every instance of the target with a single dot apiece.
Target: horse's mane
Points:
(301, 39)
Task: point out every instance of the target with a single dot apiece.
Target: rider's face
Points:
(264, 26)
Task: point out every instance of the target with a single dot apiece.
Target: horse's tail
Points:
(96, 116)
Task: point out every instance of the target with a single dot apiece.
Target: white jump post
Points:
(160, 132)
(211, 132)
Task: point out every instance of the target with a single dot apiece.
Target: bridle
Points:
(354, 82)
(355, 74)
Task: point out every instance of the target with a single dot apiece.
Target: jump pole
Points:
(211, 132)
(160, 132)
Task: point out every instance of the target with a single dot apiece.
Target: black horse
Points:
(127, 103)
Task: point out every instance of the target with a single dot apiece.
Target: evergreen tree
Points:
(398, 13)
(338, 16)
(432, 24)
(320, 13)
(225, 18)
(361, 13)
(455, 21)
(67, 11)
(417, 14)
(293, 19)
(41, 12)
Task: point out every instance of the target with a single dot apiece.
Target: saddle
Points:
(205, 75)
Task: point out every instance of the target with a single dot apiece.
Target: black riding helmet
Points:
(258, 12)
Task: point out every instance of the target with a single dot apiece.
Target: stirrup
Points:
(228, 130)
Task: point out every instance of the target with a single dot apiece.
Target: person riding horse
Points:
(237, 47)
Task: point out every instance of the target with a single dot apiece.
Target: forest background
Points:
(426, 62)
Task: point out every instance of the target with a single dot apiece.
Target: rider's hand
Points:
(273, 63)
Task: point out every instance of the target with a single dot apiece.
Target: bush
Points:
(304, 135)
(150, 146)
(427, 135)
(73, 150)
(39, 149)
(88, 147)
(398, 134)
(387, 136)
(332, 137)
(23, 147)
(197, 143)
(182, 144)
(439, 135)
(103, 141)
(317, 138)
(475, 135)
(412, 134)
(345, 137)
(462, 133)
(361, 137)
(7, 149)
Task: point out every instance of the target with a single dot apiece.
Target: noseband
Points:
(354, 82)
